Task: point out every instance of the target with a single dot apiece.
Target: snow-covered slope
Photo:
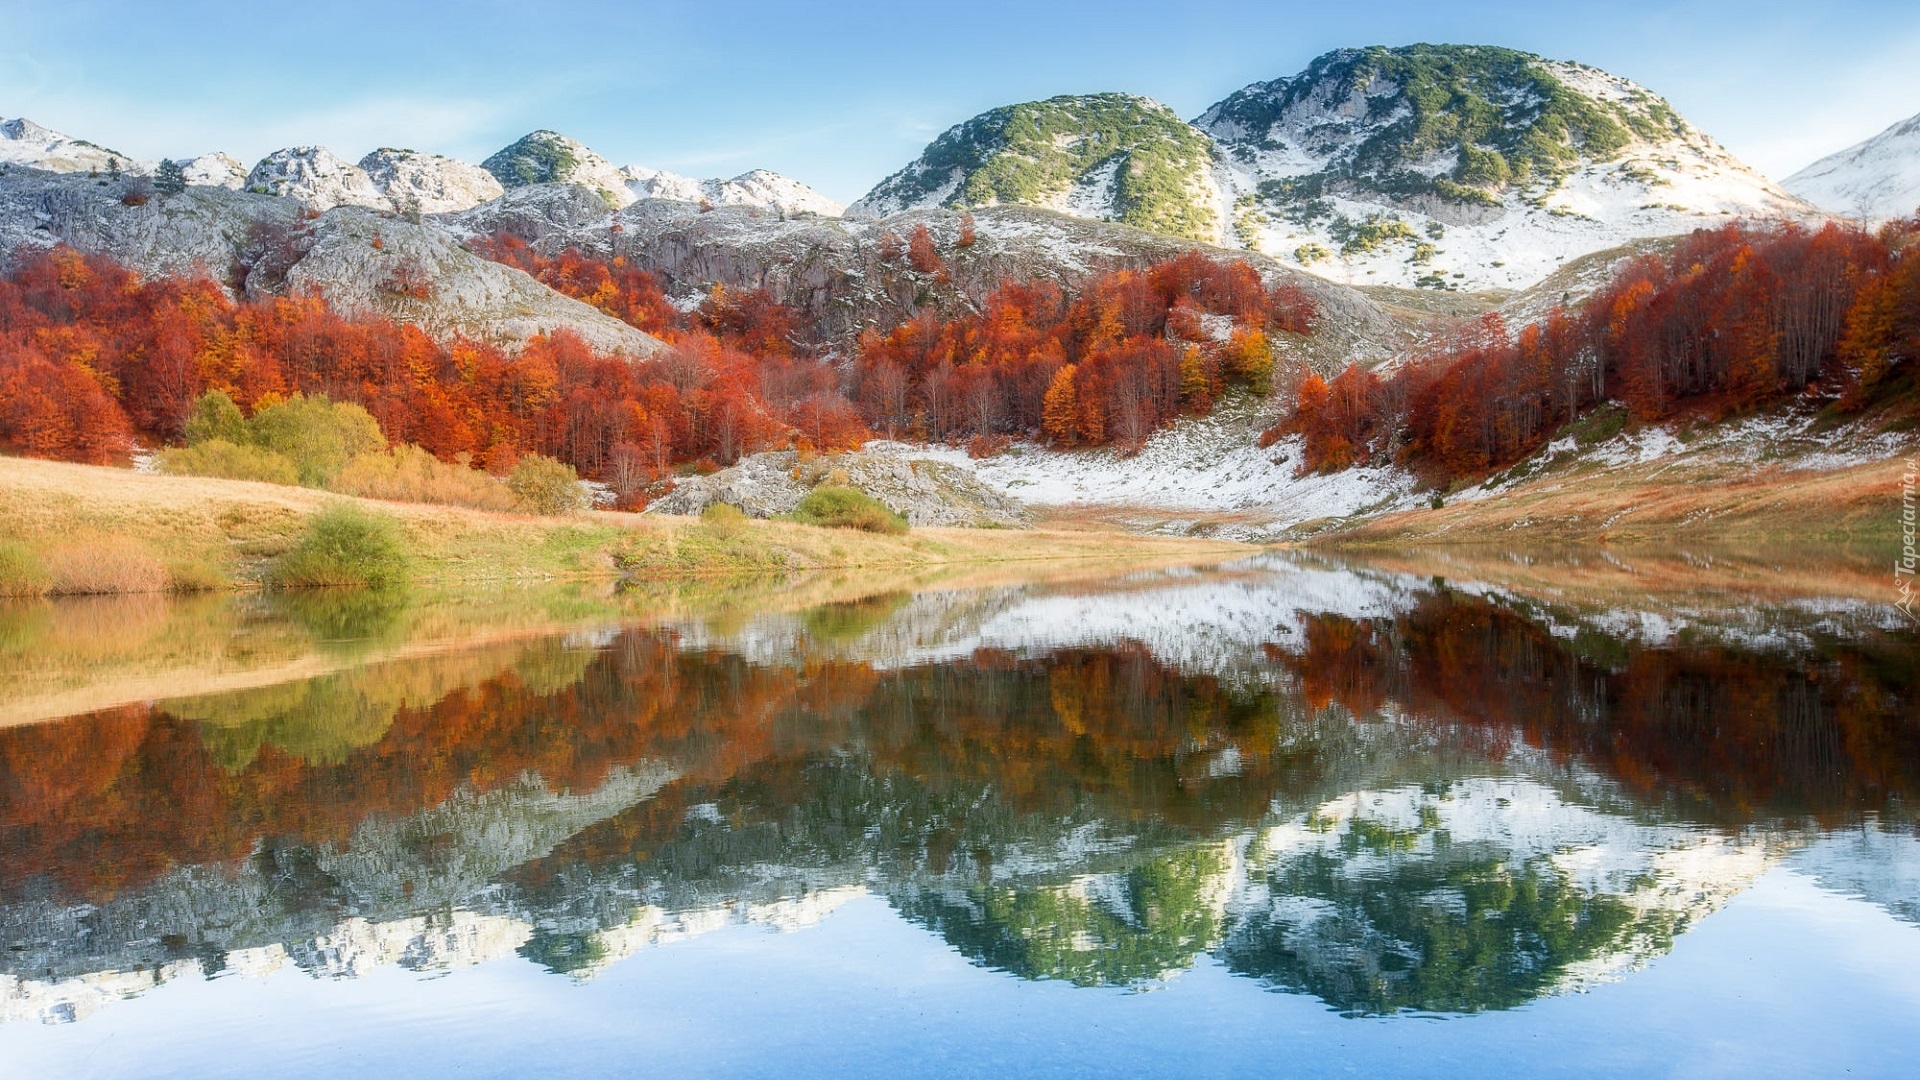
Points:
(758, 188)
(428, 183)
(1467, 166)
(313, 176)
(23, 142)
(215, 170)
(1876, 180)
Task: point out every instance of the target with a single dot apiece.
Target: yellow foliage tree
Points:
(1060, 408)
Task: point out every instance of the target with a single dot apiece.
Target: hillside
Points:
(1112, 157)
(260, 245)
(833, 271)
(1874, 180)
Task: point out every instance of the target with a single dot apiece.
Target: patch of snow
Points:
(1876, 180)
(215, 170)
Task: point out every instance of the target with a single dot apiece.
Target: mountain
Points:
(1876, 180)
(215, 170)
(260, 245)
(1467, 166)
(429, 183)
(548, 157)
(760, 188)
(834, 271)
(1114, 157)
(313, 176)
(1436, 166)
(23, 142)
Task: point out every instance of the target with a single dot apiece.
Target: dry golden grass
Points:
(234, 529)
(104, 565)
(410, 474)
(1659, 504)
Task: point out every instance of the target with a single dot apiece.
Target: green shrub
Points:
(345, 545)
(196, 575)
(215, 416)
(408, 473)
(312, 437)
(546, 486)
(724, 519)
(21, 571)
(847, 508)
(228, 461)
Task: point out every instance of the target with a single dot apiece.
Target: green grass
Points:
(22, 573)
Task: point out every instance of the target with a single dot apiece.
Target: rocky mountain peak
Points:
(758, 188)
(548, 157)
(23, 142)
(215, 170)
(429, 183)
(316, 178)
(1466, 166)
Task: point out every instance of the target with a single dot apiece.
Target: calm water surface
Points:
(1282, 817)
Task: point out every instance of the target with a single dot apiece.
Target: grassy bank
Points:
(1854, 509)
(153, 533)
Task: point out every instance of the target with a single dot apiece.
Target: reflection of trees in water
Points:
(1079, 815)
(1729, 735)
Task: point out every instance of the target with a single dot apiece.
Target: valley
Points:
(1301, 233)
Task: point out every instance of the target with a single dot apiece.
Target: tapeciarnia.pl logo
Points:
(1905, 565)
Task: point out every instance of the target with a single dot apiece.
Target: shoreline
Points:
(226, 532)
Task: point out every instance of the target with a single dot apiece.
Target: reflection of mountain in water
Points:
(1386, 794)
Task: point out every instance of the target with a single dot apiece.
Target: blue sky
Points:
(838, 95)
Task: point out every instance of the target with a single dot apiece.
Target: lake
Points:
(1587, 815)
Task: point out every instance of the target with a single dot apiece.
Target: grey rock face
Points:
(429, 183)
(317, 179)
(925, 492)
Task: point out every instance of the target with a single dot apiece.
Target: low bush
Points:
(847, 508)
(194, 576)
(345, 546)
(228, 461)
(545, 486)
(99, 565)
(21, 571)
(409, 474)
(725, 519)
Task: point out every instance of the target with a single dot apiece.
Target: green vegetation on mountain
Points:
(1504, 116)
(1034, 153)
(543, 157)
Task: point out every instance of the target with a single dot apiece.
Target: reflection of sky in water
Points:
(1787, 980)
